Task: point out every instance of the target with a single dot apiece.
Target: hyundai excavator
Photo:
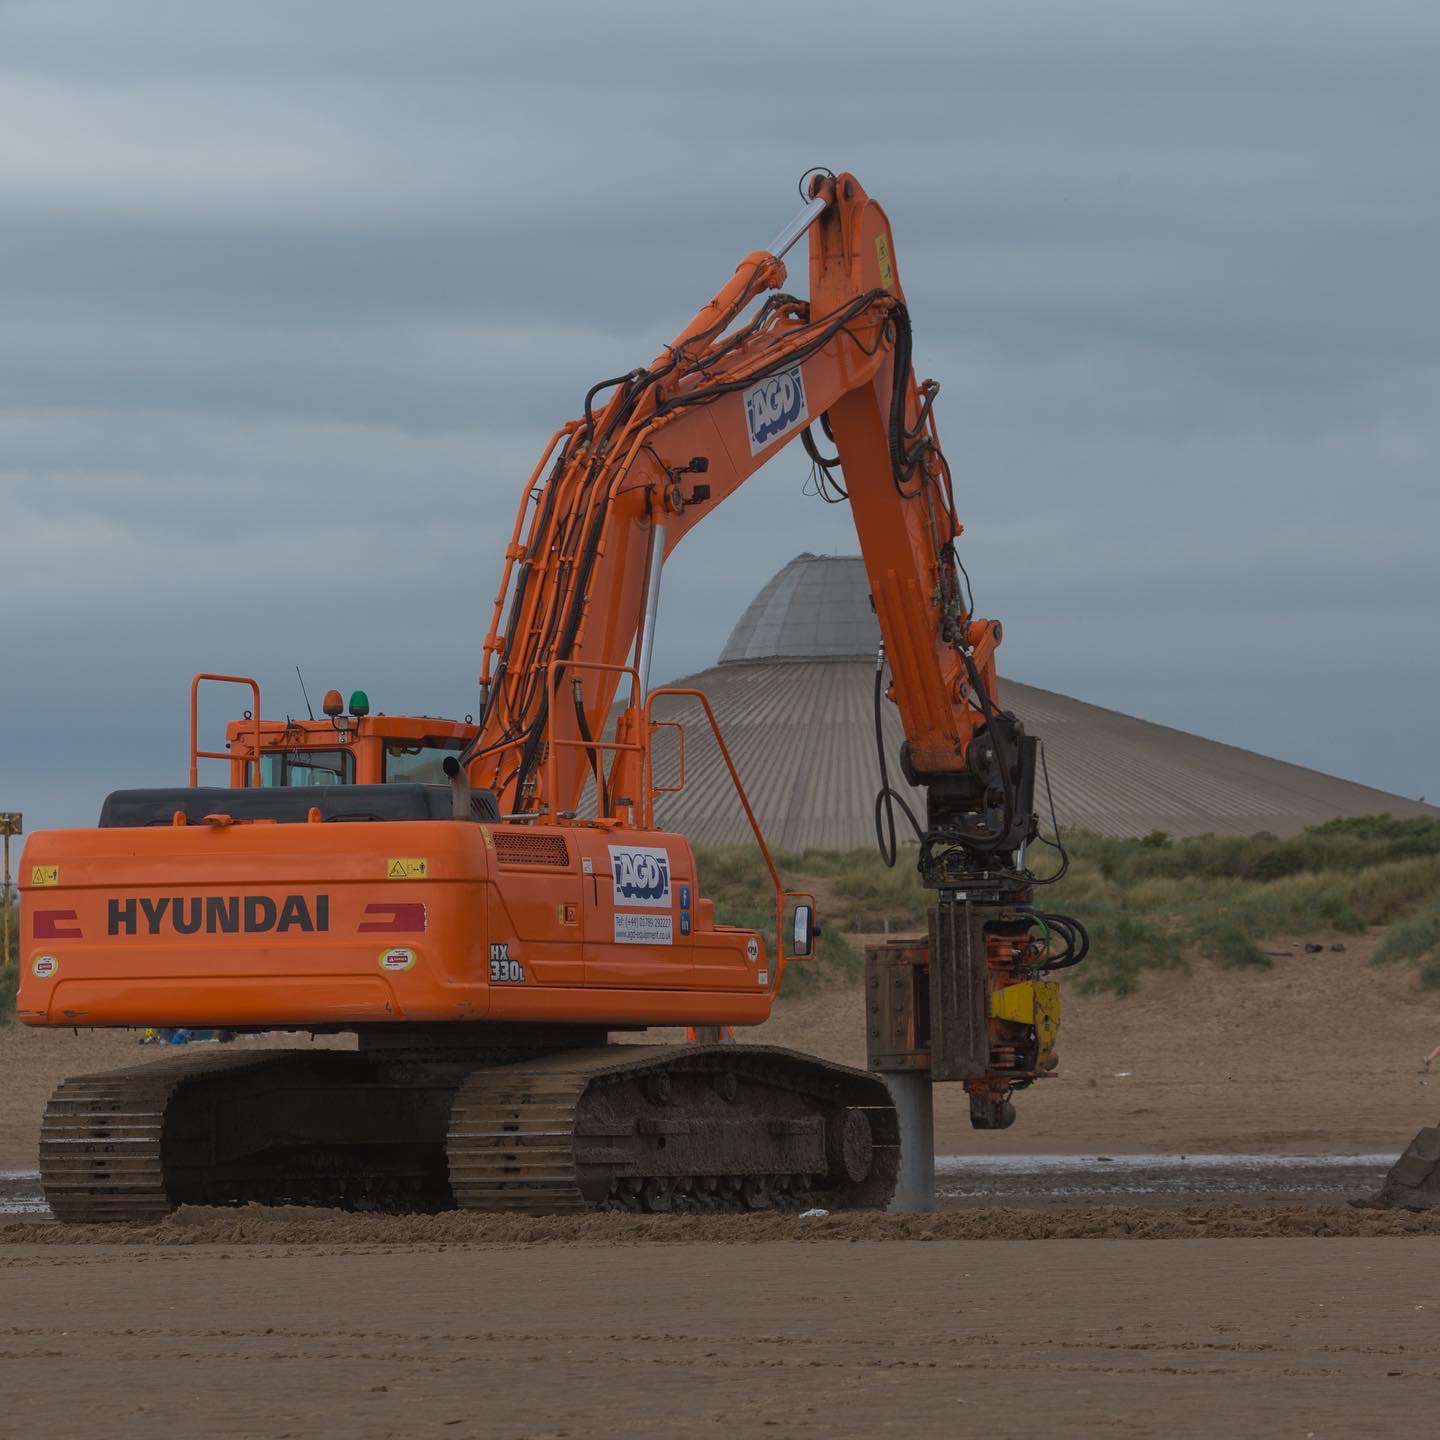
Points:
(489, 907)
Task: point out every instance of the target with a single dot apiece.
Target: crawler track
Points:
(100, 1138)
(619, 1127)
(699, 1127)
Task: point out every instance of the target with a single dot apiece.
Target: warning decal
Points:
(44, 875)
(882, 256)
(406, 869)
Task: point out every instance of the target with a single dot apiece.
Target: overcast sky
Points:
(292, 295)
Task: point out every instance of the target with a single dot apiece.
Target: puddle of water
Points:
(1043, 1177)
(20, 1193)
(1052, 1164)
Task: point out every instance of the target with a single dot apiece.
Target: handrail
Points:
(597, 745)
(781, 894)
(651, 788)
(197, 754)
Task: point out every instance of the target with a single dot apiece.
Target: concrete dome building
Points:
(793, 693)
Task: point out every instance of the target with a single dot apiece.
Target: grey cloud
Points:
(293, 296)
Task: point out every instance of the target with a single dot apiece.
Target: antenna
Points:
(301, 679)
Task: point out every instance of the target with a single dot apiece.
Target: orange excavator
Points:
(488, 905)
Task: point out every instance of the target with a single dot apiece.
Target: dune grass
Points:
(1417, 939)
(1154, 902)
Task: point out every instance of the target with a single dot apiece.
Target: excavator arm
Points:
(656, 450)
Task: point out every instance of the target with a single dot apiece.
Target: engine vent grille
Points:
(516, 847)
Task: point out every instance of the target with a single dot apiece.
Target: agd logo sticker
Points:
(775, 407)
(642, 876)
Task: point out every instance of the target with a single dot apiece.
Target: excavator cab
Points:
(385, 750)
(347, 745)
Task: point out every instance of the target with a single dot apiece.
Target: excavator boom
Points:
(631, 477)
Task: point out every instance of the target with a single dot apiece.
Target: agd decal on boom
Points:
(775, 407)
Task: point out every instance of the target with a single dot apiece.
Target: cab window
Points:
(421, 763)
(306, 767)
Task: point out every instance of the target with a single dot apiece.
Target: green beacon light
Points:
(359, 704)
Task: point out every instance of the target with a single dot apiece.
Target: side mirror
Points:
(804, 932)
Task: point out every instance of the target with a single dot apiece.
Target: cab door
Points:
(637, 933)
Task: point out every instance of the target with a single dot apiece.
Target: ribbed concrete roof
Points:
(818, 606)
(801, 731)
